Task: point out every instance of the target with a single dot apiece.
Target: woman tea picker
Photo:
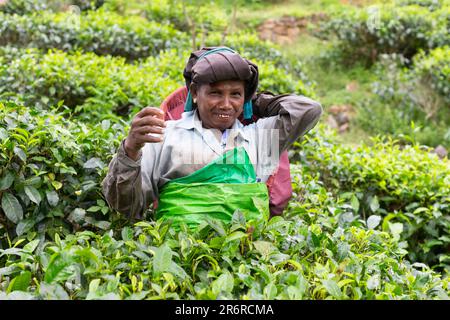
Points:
(208, 164)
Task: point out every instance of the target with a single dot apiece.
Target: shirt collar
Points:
(191, 120)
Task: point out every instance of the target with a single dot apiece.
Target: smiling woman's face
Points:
(220, 103)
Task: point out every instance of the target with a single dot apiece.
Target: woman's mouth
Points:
(223, 116)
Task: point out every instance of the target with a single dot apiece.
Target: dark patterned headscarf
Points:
(214, 64)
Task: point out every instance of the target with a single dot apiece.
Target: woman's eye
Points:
(237, 94)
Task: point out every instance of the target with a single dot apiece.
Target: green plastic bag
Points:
(217, 190)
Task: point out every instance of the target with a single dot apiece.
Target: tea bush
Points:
(320, 251)
(407, 185)
(246, 42)
(206, 17)
(376, 117)
(88, 84)
(433, 69)
(22, 7)
(276, 80)
(83, 5)
(51, 169)
(401, 30)
(362, 222)
(415, 100)
(93, 85)
(105, 33)
(431, 5)
(214, 25)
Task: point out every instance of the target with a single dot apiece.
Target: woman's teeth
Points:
(224, 116)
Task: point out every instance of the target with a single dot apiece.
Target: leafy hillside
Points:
(368, 220)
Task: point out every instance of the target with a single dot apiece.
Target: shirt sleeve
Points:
(292, 116)
(126, 189)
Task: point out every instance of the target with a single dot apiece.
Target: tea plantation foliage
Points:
(404, 28)
(407, 42)
(371, 222)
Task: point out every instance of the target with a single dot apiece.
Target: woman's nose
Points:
(226, 103)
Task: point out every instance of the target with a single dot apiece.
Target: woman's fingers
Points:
(148, 121)
(144, 138)
(150, 111)
(137, 140)
(149, 129)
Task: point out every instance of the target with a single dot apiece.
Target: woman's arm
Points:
(122, 185)
(291, 114)
(130, 187)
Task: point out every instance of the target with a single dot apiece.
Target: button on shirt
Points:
(130, 186)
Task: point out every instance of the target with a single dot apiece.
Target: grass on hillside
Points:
(259, 11)
(333, 81)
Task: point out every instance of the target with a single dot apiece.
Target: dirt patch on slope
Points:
(286, 29)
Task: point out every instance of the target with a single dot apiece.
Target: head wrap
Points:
(214, 64)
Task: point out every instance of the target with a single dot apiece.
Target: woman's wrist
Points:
(130, 151)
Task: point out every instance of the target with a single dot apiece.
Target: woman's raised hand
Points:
(145, 124)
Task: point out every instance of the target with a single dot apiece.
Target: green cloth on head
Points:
(217, 190)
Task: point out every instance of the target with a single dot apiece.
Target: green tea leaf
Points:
(20, 153)
(52, 198)
(127, 234)
(77, 215)
(17, 295)
(31, 246)
(33, 194)
(373, 221)
(216, 225)
(178, 271)
(3, 134)
(59, 269)
(263, 247)
(12, 208)
(396, 229)
(93, 163)
(6, 181)
(270, 291)
(276, 223)
(373, 282)
(216, 242)
(32, 181)
(101, 224)
(106, 124)
(25, 225)
(224, 282)
(93, 209)
(20, 283)
(420, 210)
(57, 185)
(262, 206)
(355, 203)
(238, 218)
(93, 285)
(235, 235)
(162, 259)
(332, 287)
(374, 204)
(52, 292)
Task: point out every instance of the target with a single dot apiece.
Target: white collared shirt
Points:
(187, 147)
(130, 186)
